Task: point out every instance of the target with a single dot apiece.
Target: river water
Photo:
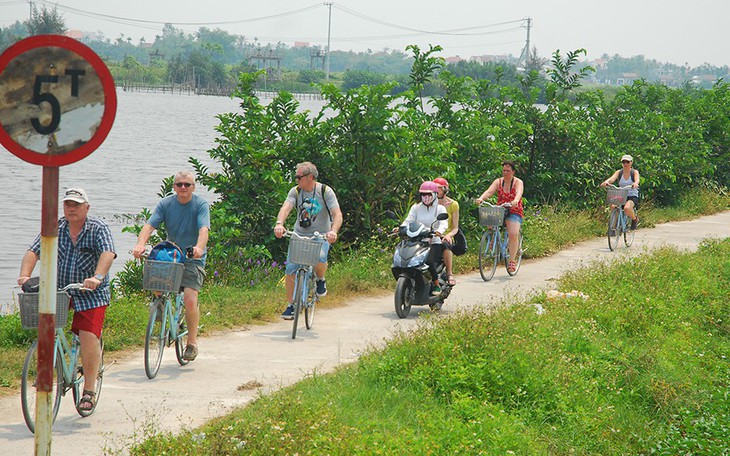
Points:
(153, 137)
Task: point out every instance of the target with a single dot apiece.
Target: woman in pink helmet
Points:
(425, 212)
(452, 208)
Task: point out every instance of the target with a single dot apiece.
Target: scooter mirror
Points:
(391, 215)
(442, 216)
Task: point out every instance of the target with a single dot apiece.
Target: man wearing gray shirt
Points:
(317, 210)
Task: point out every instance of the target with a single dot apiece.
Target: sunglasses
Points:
(625, 161)
(297, 177)
(183, 184)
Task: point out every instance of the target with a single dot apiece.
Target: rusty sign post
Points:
(57, 105)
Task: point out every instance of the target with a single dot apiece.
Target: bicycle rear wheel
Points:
(311, 304)
(28, 386)
(154, 341)
(614, 229)
(300, 295)
(488, 255)
(518, 258)
(78, 386)
(182, 331)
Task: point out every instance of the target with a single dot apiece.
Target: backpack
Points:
(324, 188)
(167, 251)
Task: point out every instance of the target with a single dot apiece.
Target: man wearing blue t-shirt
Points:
(187, 220)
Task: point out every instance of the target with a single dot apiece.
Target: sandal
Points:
(87, 402)
(452, 280)
(511, 266)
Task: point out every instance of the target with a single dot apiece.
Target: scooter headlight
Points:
(418, 259)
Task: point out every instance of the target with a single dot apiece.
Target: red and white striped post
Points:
(47, 311)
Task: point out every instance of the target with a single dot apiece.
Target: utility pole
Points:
(526, 51)
(329, 30)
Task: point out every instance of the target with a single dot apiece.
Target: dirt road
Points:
(220, 379)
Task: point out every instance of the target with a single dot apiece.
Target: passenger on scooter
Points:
(425, 212)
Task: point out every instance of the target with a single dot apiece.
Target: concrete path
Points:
(229, 364)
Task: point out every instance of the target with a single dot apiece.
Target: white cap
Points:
(627, 157)
(76, 194)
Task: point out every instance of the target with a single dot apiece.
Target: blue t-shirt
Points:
(182, 221)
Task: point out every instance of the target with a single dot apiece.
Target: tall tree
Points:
(45, 22)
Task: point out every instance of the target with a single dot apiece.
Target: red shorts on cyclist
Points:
(91, 320)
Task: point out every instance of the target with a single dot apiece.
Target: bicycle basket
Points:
(28, 303)
(162, 276)
(491, 215)
(304, 251)
(616, 196)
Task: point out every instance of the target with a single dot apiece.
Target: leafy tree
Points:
(562, 74)
(45, 21)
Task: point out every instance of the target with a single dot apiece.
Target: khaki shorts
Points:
(193, 276)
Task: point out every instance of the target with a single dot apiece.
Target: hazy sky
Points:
(665, 30)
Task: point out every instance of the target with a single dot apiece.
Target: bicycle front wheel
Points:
(300, 295)
(78, 387)
(629, 235)
(154, 341)
(182, 331)
(518, 258)
(614, 229)
(488, 255)
(311, 303)
(28, 386)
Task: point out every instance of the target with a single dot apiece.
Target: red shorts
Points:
(91, 320)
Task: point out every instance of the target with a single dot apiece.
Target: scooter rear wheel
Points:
(403, 296)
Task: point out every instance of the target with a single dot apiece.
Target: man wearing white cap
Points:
(627, 176)
(85, 254)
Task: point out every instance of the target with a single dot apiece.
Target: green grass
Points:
(640, 367)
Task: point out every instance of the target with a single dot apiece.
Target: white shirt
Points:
(427, 215)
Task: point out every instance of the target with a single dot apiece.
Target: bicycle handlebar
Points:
(75, 286)
(315, 235)
(504, 205)
(619, 188)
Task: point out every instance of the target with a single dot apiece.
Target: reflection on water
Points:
(153, 136)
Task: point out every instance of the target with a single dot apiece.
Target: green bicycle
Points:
(68, 373)
(166, 323)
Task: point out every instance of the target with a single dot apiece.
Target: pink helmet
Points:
(441, 182)
(429, 187)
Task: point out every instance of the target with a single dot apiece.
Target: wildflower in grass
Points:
(215, 273)
(274, 264)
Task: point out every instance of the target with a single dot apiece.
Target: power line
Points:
(132, 21)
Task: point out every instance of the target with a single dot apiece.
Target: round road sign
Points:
(57, 100)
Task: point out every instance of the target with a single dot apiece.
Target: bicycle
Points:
(166, 323)
(618, 222)
(495, 239)
(305, 251)
(68, 373)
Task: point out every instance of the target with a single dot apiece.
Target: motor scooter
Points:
(413, 286)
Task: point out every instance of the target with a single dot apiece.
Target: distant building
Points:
(75, 34)
(627, 78)
(301, 44)
(453, 59)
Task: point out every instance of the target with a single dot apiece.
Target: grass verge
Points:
(639, 367)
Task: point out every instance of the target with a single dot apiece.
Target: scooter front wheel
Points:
(403, 296)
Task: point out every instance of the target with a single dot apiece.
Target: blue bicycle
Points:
(618, 223)
(495, 240)
(305, 251)
(68, 373)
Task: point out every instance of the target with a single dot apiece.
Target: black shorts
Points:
(635, 199)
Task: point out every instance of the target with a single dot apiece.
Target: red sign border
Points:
(110, 100)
